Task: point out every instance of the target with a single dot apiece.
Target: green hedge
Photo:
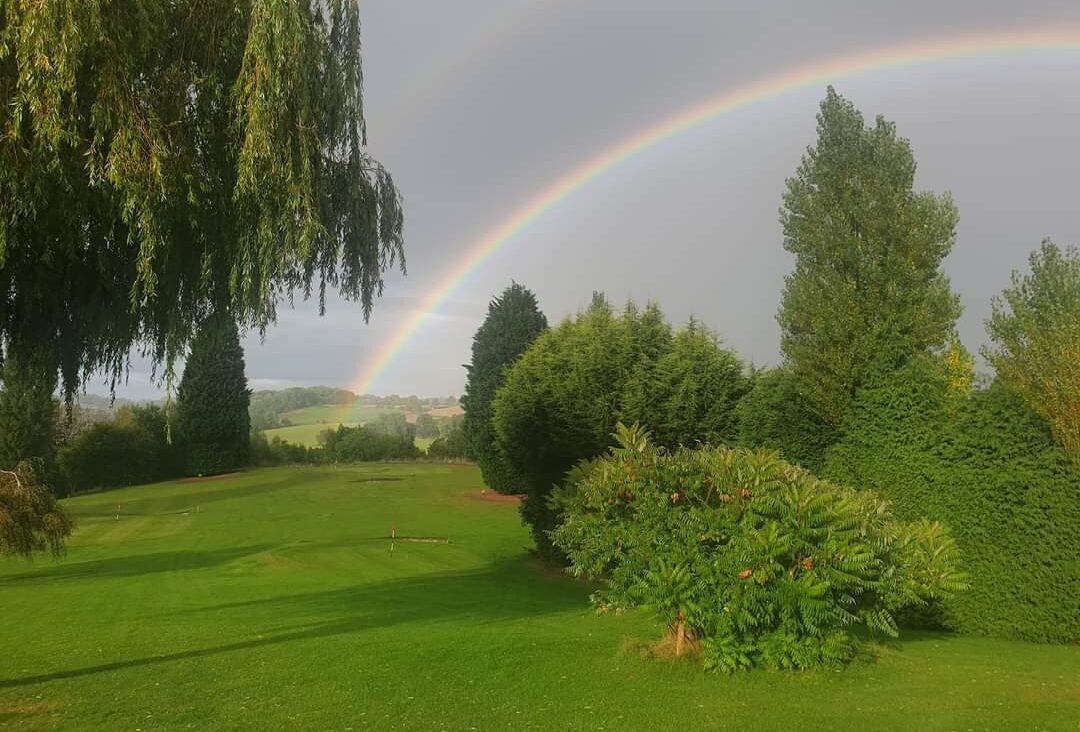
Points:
(987, 466)
(776, 416)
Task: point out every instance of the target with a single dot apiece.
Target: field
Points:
(331, 415)
(301, 434)
(275, 600)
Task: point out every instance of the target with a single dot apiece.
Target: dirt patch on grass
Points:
(485, 494)
(28, 707)
(198, 479)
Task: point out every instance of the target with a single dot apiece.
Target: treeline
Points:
(874, 392)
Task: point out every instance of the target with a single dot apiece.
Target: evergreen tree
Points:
(513, 322)
(561, 400)
(212, 401)
(867, 291)
(695, 390)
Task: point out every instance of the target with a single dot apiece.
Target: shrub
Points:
(988, 465)
(131, 449)
(363, 444)
(752, 559)
(451, 446)
(277, 451)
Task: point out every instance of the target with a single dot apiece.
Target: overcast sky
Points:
(476, 105)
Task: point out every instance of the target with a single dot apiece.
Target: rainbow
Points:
(830, 70)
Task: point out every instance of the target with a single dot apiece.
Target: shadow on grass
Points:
(138, 564)
(505, 591)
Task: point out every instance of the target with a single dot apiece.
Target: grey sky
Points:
(475, 105)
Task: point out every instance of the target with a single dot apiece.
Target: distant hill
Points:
(272, 409)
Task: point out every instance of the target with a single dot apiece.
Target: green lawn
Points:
(272, 601)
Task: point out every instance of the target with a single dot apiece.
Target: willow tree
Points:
(163, 160)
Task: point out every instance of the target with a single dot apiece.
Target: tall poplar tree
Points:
(867, 291)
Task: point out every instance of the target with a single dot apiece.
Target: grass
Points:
(330, 415)
(272, 600)
(300, 434)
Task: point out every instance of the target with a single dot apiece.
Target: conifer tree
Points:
(212, 401)
(513, 322)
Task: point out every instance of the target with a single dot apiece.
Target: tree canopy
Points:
(562, 399)
(867, 291)
(513, 322)
(160, 161)
(1035, 328)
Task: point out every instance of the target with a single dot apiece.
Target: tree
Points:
(867, 291)
(212, 401)
(30, 518)
(28, 413)
(756, 561)
(451, 446)
(695, 389)
(513, 322)
(1035, 327)
(426, 426)
(169, 160)
(561, 400)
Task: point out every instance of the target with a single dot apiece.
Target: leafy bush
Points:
(362, 444)
(451, 446)
(988, 465)
(277, 451)
(752, 559)
(132, 449)
(775, 415)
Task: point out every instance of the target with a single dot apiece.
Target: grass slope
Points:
(329, 415)
(271, 600)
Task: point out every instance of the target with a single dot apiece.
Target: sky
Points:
(476, 105)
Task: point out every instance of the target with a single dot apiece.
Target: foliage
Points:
(867, 291)
(276, 451)
(131, 449)
(363, 444)
(426, 426)
(986, 464)
(562, 398)
(1035, 327)
(513, 322)
(392, 424)
(694, 390)
(754, 559)
(212, 401)
(28, 413)
(30, 518)
(451, 446)
(173, 159)
(775, 415)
